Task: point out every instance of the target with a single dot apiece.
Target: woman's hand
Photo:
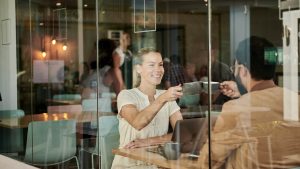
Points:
(173, 93)
(230, 89)
(137, 143)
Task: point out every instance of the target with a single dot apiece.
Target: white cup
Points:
(214, 86)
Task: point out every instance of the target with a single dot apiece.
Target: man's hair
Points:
(252, 53)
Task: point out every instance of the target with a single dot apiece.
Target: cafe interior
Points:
(57, 111)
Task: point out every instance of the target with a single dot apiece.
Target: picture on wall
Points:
(144, 15)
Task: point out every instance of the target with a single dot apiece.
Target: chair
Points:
(107, 139)
(90, 105)
(51, 142)
(103, 94)
(76, 108)
(11, 139)
(67, 97)
(104, 104)
(189, 100)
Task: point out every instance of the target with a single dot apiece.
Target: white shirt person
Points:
(144, 112)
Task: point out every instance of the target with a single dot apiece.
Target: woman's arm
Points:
(156, 140)
(140, 119)
(117, 71)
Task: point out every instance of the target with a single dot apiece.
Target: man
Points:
(250, 131)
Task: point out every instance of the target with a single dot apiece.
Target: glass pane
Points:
(87, 78)
(74, 58)
(11, 132)
(255, 41)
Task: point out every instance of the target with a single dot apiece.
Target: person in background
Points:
(219, 72)
(107, 78)
(122, 55)
(190, 101)
(86, 72)
(175, 74)
(190, 69)
(145, 112)
(203, 72)
(251, 132)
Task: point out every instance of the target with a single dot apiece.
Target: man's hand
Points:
(230, 89)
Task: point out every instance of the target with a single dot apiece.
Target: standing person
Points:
(251, 132)
(145, 112)
(122, 57)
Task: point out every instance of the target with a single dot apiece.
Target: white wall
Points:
(290, 64)
(8, 61)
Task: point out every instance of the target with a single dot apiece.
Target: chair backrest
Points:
(67, 97)
(75, 108)
(108, 138)
(104, 104)
(189, 100)
(103, 94)
(11, 139)
(11, 113)
(50, 142)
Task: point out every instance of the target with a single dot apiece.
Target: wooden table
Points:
(63, 102)
(142, 154)
(23, 122)
(9, 163)
(190, 115)
(199, 111)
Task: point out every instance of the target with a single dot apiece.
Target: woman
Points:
(144, 112)
(119, 56)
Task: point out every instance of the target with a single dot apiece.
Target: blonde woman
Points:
(145, 112)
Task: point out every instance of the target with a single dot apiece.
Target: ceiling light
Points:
(53, 41)
(65, 47)
(58, 4)
(44, 54)
(85, 5)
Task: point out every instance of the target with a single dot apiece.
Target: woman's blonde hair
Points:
(142, 52)
(139, 60)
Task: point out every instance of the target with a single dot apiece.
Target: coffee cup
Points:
(171, 150)
(214, 86)
(191, 88)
